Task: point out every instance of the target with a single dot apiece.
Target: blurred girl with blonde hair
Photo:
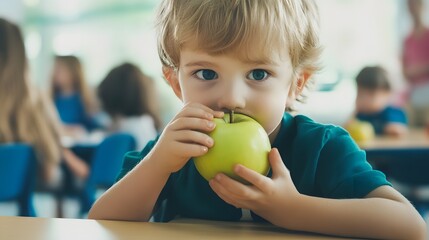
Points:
(25, 115)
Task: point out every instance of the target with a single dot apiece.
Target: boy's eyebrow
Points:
(261, 62)
(200, 64)
(210, 64)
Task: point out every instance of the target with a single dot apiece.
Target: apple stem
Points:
(231, 116)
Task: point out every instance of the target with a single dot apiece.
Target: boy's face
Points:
(371, 101)
(223, 82)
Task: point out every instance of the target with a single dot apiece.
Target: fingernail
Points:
(218, 177)
(211, 124)
(220, 114)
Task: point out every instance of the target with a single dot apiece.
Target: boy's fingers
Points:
(190, 149)
(195, 112)
(188, 136)
(218, 114)
(223, 193)
(235, 188)
(192, 123)
(276, 162)
(255, 178)
(198, 110)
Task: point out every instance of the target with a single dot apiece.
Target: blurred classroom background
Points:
(105, 33)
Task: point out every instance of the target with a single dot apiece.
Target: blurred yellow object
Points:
(360, 131)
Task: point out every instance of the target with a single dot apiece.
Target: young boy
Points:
(372, 103)
(253, 57)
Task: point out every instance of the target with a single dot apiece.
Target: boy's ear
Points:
(171, 76)
(298, 87)
(302, 82)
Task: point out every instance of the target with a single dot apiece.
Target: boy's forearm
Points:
(133, 197)
(369, 218)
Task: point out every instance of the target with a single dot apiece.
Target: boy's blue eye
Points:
(258, 74)
(206, 74)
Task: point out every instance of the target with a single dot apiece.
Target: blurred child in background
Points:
(372, 103)
(125, 94)
(72, 96)
(415, 65)
(26, 116)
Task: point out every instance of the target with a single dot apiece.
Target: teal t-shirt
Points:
(323, 161)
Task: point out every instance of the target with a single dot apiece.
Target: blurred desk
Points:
(417, 139)
(404, 159)
(90, 139)
(82, 229)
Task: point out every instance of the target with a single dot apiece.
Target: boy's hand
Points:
(265, 195)
(185, 137)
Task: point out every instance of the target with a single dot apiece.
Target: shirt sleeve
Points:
(343, 171)
(395, 115)
(131, 159)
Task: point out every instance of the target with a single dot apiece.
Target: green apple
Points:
(240, 141)
(360, 131)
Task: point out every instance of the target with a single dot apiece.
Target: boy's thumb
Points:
(276, 162)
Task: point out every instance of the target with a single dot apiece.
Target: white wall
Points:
(12, 10)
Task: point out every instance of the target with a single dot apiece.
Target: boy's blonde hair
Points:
(252, 29)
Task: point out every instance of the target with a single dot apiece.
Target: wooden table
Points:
(22, 228)
(413, 146)
(416, 139)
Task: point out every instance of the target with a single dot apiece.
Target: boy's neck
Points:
(274, 134)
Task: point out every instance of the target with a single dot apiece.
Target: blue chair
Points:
(105, 166)
(17, 176)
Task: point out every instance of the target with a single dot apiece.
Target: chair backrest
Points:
(105, 166)
(108, 157)
(17, 176)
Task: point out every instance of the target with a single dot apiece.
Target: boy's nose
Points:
(232, 98)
